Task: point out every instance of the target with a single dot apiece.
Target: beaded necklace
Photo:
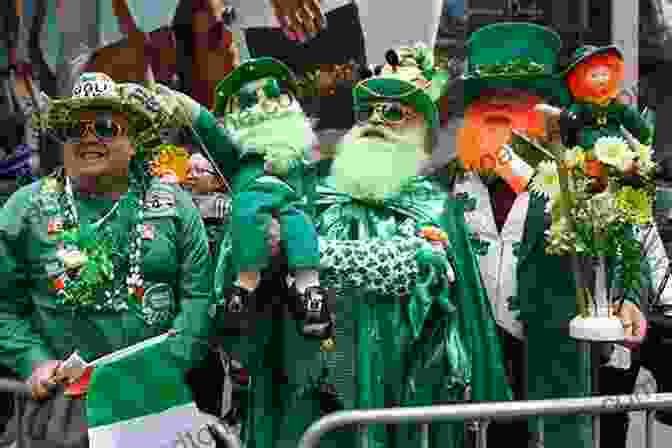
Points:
(87, 275)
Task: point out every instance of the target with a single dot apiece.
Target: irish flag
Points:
(137, 398)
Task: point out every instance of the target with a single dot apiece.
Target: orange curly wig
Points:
(583, 90)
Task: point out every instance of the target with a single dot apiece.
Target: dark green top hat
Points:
(513, 56)
(249, 71)
(588, 51)
(414, 80)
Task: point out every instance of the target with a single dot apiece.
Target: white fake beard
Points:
(283, 134)
(374, 168)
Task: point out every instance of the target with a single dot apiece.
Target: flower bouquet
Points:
(597, 198)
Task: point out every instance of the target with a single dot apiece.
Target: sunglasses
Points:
(103, 129)
(389, 113)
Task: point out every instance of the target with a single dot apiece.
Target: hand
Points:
(44, 377)
(299, 16)
(551, 123)
(633, 322)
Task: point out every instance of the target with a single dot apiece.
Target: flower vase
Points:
(597, 325)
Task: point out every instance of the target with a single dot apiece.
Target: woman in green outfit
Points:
(100, 255)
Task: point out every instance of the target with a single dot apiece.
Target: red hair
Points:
(576, 81)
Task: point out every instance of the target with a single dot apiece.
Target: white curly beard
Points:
(372, 168)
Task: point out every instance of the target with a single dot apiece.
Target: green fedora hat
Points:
(586, 52)
(249, 71)
(513, 56)
(411, 79)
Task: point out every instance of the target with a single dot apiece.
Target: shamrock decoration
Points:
(514, 68)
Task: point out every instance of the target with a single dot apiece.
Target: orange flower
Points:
(594, 168)
(433, 233)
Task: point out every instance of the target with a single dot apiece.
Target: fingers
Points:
(302, 19)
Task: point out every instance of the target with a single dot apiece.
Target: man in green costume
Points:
(511, 68)
(413, 316)
(431, 340)
(100, 255)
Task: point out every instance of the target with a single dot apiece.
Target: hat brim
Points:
(61, 111)
(549, 87)
(252, 70)
(392, 89)
(598, 51)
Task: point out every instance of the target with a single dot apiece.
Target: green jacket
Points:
(34, 327)
(607, 121)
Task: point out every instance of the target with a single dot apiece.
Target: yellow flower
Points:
(547, 180)
(574, 157)
(635, 205)
(613, 151)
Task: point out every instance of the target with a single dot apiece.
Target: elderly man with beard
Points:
(511, 70)
(415, 322)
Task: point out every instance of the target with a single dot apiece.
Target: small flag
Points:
(132, 403)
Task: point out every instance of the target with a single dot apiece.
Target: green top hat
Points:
(513, 56)
(588, 51)
(249, 71)
(411, 79)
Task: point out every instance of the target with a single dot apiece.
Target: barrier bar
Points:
(480, 411)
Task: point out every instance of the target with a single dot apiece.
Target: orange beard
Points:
(488, 124)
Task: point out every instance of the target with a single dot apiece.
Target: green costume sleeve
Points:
(21, 345)
(218, 142)
(637, 125)
(195, 280)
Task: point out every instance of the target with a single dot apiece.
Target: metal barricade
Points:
(485, 412)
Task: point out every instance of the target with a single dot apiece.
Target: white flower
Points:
(645, 155)
(547, 180)
(613, 151)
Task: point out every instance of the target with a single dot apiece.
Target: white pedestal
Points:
(596, 329)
